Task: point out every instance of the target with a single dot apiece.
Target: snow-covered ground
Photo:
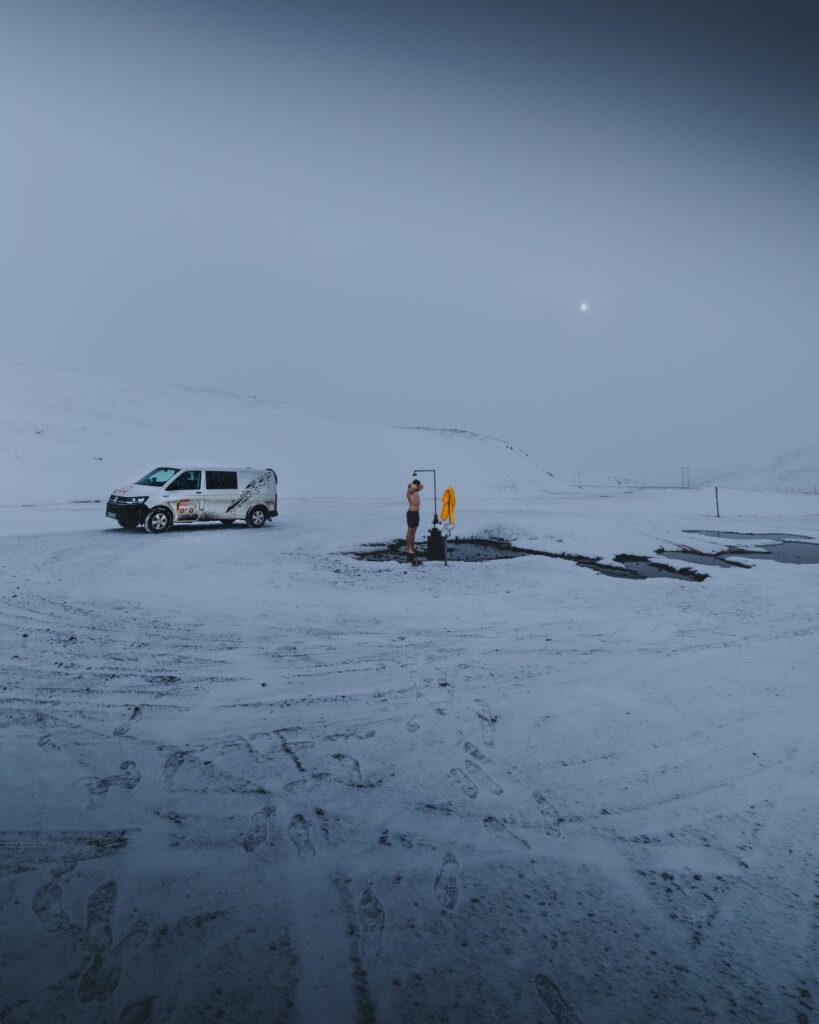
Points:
(247, 778)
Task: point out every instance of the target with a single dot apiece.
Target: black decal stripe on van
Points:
(254, 487)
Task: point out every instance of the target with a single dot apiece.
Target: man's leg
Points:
(411, 540)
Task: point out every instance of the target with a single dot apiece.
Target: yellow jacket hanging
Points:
(448, 506)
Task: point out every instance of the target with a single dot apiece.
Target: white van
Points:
(170, 494)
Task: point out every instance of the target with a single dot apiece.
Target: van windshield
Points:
(158, 477)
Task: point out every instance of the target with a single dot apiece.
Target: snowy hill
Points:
(66, 436)
(796, 470)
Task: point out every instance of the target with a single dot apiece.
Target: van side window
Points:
(220, 480)
(190, 480)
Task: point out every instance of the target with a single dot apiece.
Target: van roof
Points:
(199, 464)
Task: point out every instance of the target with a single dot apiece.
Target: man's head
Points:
(417, 485)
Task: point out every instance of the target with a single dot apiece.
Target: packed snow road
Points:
(247, 778)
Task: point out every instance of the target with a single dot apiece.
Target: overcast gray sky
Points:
(395, 211)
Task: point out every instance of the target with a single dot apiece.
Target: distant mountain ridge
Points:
(68, 436)
(795, 470)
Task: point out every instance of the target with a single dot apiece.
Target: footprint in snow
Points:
(257, 830)
(371, 918)
(479, 775)
(98, 789)
(353, 772)
(446, 883)
(413, 725)
(477, 754)
(100, 910)
(101, 978)
(298, 832)
(488, 720)
(122, 730)
(551, 819)
(500, 831)
(138, 1013)
(468, 787)
(47, 904)
(173, 762)
(552, 998)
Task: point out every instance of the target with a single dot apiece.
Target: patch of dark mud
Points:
(483, 549)
(470, 549)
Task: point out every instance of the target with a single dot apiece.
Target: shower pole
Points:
(415, 472)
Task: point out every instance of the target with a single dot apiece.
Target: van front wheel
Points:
(257, 516)
(158, 521)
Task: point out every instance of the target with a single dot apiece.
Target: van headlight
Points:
(136, 501)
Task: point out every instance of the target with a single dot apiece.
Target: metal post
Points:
(716, 496)
(415, 472)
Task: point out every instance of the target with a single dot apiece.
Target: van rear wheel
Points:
(257, 516)
(158, 521)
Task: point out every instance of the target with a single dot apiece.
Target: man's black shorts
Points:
(413, 519)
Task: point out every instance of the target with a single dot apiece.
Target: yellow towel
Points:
(448, 506)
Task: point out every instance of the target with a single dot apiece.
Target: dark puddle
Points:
(646, 569)
(749, 536)
(701, 558)
(479, 549)
(794, 549)
(470, 550)
(793, 552)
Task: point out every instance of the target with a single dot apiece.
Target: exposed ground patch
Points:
(483, 549)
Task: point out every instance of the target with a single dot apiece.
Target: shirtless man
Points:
(413, 514)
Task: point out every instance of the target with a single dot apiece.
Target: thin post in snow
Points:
(716, 497)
